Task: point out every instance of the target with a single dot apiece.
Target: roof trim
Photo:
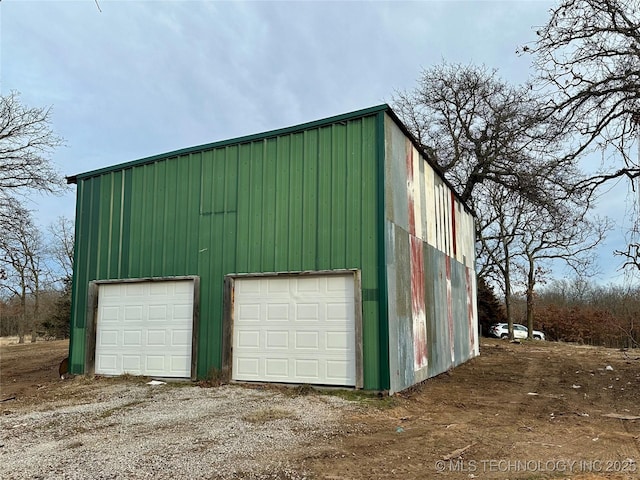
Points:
(274, 133)
(233, 141)
(428, 158)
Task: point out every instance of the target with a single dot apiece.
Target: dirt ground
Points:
(527, 411)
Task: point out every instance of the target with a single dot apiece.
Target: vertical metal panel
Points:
(378, 338)
(430, 317)
(439, 345)
(301, 200)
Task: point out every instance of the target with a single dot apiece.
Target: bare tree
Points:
(26, 144)
(588, 56)
(499, 215)
(21, 252)
(61, 246)
(480, 129)
(499, 148)
(568, 237)
(631, 255)
(589, 51)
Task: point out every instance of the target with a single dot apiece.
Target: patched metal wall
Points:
(430, 257)
(293, 200)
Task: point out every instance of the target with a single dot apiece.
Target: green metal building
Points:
(328, 253)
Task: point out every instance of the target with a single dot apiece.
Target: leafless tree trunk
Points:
(35, 272)
(23, 312)
(61, 248)
(20, 254)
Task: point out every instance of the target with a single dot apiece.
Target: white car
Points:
(501, 330)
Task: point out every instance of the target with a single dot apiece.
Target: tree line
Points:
(36, 276)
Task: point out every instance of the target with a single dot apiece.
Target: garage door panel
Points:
(183, 288)
(318, 348)
(277, 286)
(110, 314)
(133, 289)
(307, 369)
(152, 334)
(307, 340)
(307, 312)
(339, 284)
(107, 363)
(277, 339)
(248, 339)
(132, 338)
(155, 363)
(180, 363)
(250, 312)
(182, 312)
(156, 338)
(159, 288)
(248, 367)
(180, 338)
(115, 291)
(109, 338)
(276, 312)
(132, 364)
(338, 369)
(310, 285)
(133, 313)
(249, 286)
(277, 368)
(338, 341)
(338, 312)
(157, 312)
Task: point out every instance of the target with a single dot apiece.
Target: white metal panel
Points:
(297, 329)
(145, 328)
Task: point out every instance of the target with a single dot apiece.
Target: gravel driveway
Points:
(133, 430)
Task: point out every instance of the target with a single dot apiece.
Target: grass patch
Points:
(267, 415)
(303, 390)
(215, 378)
(365, 398)
(377, 400)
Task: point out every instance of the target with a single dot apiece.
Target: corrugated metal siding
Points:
(432, 315)
(304, 200)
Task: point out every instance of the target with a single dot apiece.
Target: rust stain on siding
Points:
(453, 224)
(450, 309)
(418, 315)
(417, 303)
(410, 180)
(470, 317)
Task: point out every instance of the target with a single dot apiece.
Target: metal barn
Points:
(329, 253)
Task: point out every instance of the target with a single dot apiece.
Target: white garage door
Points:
(145, 328)
(298, 329)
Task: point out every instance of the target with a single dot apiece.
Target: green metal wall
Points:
(303, 199)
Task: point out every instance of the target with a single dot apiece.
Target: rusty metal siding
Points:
(437, 312)
(303, 199)
(430, 260)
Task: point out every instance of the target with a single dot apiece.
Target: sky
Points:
(131, 79)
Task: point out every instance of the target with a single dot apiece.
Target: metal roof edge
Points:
(427, 156)
(233, 141)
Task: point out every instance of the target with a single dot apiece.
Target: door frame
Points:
(228, 314)
(92, 317)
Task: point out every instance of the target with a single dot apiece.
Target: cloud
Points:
(146, 77)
